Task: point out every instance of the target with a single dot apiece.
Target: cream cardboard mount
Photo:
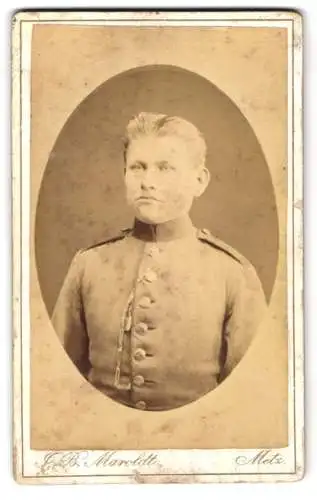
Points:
(77, 77)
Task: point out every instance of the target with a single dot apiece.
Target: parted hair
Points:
(163, 125)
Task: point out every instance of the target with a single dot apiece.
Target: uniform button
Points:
(139, 354)
(138, 380)
(145, 302)
(152, 251)
(150, 276)
(141, 328)
(140, 405)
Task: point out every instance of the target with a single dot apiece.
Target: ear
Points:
(203, 178)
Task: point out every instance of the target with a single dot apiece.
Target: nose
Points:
(148, 179)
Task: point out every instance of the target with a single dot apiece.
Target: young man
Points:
(159, 315)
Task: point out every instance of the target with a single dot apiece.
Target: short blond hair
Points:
(161, 125)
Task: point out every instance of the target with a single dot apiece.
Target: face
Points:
(161, 178)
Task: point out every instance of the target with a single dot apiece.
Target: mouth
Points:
(147, 198)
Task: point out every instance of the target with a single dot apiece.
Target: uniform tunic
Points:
(157, 316)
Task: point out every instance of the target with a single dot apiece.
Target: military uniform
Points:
(157, 316)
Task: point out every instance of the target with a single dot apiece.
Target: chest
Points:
(172, 287)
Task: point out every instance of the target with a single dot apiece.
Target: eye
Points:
(137, 166)
(165, 166)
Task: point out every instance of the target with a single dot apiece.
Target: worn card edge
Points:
(297, 214)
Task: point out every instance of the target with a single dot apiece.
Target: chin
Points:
(150, 218)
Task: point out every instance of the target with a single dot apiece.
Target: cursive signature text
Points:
(263, 457)
(56, 462)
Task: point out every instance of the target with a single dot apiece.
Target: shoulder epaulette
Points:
(110, 239)
(205, 235)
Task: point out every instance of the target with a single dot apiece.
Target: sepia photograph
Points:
(157, 168)
(157, 315)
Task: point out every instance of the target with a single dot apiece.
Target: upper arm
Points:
(245, 310)
(68, 317)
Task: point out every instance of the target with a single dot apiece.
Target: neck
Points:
(166, 231)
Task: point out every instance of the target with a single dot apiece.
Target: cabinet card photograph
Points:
(157, 229)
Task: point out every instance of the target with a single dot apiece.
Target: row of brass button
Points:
(141, 328)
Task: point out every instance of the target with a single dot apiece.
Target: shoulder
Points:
(111, 240)
(221, 247)
(238, 266)
(100, 251)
